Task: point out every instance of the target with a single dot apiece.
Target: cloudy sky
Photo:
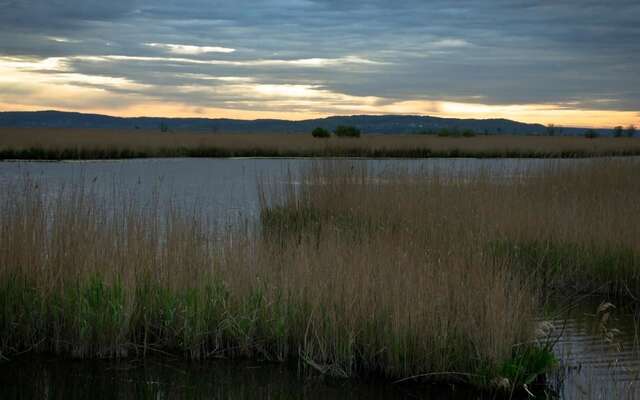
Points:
(565, 62)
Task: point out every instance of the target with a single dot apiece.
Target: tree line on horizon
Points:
(350, 131)
(339, 131)
(551, 130)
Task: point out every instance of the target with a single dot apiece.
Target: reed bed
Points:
(567, 227)
(87, 277)
(403, 274)
(59, 144)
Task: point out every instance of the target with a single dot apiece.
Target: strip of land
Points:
(78, 144)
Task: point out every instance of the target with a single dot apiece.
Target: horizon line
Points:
(304, 119)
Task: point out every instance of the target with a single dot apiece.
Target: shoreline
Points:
(444, 155)
(51, 144)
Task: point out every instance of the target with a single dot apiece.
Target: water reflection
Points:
(599, 356)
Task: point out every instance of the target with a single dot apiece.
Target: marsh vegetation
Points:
(403, 274)
(74, 144)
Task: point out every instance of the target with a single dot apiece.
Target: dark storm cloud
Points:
(51, 15)
(584, 53)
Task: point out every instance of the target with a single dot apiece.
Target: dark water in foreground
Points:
(171, 379)
(593, 366)
(597, 360)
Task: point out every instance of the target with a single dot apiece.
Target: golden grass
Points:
(350, 273)
(93, 278)
(93, 143)
(579, 224)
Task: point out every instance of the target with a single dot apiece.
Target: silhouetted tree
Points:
(617, 131)
(590, 134)
(444, 132)
(347, 131)
(551, 130)
(320, 133)
(468, 133)
(631, 131)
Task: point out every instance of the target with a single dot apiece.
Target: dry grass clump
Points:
(57, 144)
(440, 301)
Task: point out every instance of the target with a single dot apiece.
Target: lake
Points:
(226, 187)
(593, 365)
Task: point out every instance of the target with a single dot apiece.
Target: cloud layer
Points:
(563, 59)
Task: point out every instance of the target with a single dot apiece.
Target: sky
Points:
(572, 63)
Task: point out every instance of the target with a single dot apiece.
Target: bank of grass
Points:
(77, 144)
(403, 275)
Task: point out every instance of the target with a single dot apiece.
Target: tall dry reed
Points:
(89, 276)
(571, 225)
(350, 272)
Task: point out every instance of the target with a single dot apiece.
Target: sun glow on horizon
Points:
(569, 118)
(52, 83)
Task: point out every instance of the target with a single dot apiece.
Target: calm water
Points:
(225, 186)
(592, 367)
(171, 379)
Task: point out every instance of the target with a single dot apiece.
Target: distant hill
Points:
(374, 124)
